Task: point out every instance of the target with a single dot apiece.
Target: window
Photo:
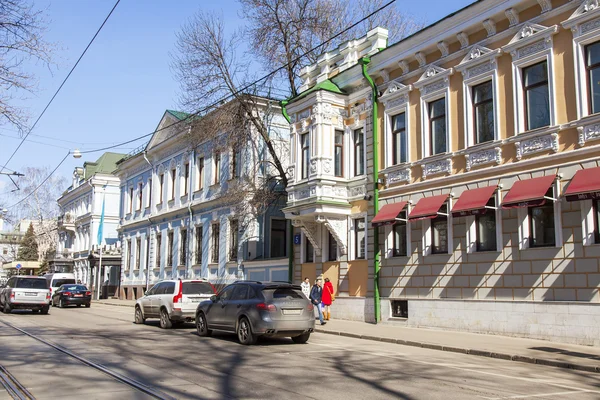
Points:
(278, 237)
(170, 246)
(536, 96)
(437, 126)
(485, 230)
(235, 163)
(140, 196)
(161, 191)
(173, 174)
(483, 112)
(309, 255)
(399, 143)
(138, 252)
(186, 178)
(199, 239)
(359, 152)
(439, 232)
(147, 266)
(149, 188)
(541, 224)
(332, 247)
(339, 153)
(158, 250)
(129, 253)
(592, 66)
(217, 167)
(305, 158)
(200, 173)
(399, 237)
(214, 257)
(360, 238)
(184, 247)
(130, 200)
(233, 239)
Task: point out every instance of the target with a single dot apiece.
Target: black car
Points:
(252, 309)
(67, 295)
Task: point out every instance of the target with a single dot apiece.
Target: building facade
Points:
(94, 190)
(481, 170)
(180, 212)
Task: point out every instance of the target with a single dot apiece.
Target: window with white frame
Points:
(170, 248)
(158, 250)
(215, 240)
(338, 153)
(199, 244)
(396, 121)
(130, 200)
(399, 139)
(304, 155)
(332, 247)
(200, 184)
(161, 189)
(438, 129)
(233, 239)
(138, 252)
(592, 69)
(149, 193)
(400, 236)
(438, 232)
(358, 153)
(533, 76)
(186, 178)
(216, 167)
(183, 247)
(140, 195)
(360, 238)
(484, 229)
(541, 225)
(172, 183)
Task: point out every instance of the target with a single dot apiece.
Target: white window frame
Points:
(395, 101)
(216, 178)
(426, 235)
(434, 85)
(352, 241)
(303, 250)
(349, 136)
(585, 26)
(149, 192)
(479, 66)
(389, 237)
(200, 173)
(523, 220)
(299, 158)
(587, 217)
(471, 225)
(325, 252)
(531, 45)
(210, 250)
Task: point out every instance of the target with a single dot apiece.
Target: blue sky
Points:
(123, 85)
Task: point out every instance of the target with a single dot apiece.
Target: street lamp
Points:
(76, 153)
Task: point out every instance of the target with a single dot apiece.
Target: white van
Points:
(57, 280)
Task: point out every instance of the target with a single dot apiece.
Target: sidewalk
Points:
(584, 358)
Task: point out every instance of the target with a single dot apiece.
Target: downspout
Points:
(290, 249)
(364, 61)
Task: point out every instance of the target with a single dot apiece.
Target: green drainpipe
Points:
(290, 249)
(377, 302)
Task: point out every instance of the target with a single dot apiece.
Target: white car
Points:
(25, 292)
(173, 301)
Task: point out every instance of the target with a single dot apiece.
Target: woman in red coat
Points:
(327, 298)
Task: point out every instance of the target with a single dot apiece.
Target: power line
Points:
(248, 86)
(61, 85)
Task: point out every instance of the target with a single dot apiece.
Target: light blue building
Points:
(184, 216)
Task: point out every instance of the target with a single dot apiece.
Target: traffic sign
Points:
(18, 266)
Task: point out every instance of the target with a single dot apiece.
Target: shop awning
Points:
(529, 192)
(388, 214)
(585, 185)
(427, 207)
(473, 202)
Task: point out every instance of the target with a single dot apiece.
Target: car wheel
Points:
(165, 322)
(202, 325)
(88, 305)
(61, 303)
(244, 332)
(7, 308)
(301, 339)
(44, 310)
(139, 317)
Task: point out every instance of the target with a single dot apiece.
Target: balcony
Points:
(66, 222)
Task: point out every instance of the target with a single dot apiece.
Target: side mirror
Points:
(146, 293)
(213, 298)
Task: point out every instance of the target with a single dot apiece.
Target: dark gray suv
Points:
(252, 309)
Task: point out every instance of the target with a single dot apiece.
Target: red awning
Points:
(388, 214)
(584, 185)
(528, 193)
(427, 207)
(473, 202)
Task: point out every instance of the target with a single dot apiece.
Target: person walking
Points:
(305, 285)
(327, 298)
(316, 295)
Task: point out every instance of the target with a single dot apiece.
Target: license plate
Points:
(30, 294)
(292, 312)
(194, 300)
(78, 295)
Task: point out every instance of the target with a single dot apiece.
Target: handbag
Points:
(332, 295)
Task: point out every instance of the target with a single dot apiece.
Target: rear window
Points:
(197, 288)
(285, 293)
(60, 282)
(29, 283)
(75, 287)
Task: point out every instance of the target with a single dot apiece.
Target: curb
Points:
(473, 352)
(113, 304)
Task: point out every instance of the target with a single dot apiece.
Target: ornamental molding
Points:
(420, 56)
(546, 5)
(490, 27)
(444, 48)
(404, 66)
(588, 133)
(530, 39)
(396, 94)
(584, 19)
(339, 230)
(401, 175)
(483, 157)
(357, 191)
(537, 144)
(434, 79)
(513, 16)
(437, 167)
(291, 170)
(313, 233)
(479, 60)
(463, 38)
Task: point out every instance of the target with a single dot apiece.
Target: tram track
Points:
(18, 391)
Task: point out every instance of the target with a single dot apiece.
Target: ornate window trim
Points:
(479, 66)
(434, 84)
(396, 100)
(532, 44)
(585, 26)
(349, 145)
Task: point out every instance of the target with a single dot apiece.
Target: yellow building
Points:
(478, 204)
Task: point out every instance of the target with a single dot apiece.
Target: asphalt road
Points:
(183, 365)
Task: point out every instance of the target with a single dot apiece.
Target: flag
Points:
(101, 226)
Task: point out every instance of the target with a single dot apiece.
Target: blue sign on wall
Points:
(297, 238)
(18, 266)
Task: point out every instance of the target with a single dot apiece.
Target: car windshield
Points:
(284, 293)
(60, 282)
(74, 287)
(197, 288)
(31, 283)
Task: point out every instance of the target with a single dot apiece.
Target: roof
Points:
(106, 164)
(326, 85)
(180, 115)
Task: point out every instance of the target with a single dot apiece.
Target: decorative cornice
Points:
(546, 5)
(444, 48)
(420, 56)
(463, 38)
(513, 16)
(490, 27)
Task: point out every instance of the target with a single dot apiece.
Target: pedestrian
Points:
(328, 298)
(316, 294)
(305, 285)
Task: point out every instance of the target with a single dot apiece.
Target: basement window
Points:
(400, 308)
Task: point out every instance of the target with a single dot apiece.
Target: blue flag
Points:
(101, 226)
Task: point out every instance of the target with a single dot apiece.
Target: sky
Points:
(124, 83)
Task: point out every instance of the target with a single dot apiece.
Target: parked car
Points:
(25, 292)
(173, 301)
(58, 279)
(253, 309)
(67, 295)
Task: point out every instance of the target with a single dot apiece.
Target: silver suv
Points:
(25, 292)
(173, 301)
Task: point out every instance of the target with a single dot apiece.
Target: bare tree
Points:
(21, 41)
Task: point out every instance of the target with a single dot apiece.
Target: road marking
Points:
(526, 396)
